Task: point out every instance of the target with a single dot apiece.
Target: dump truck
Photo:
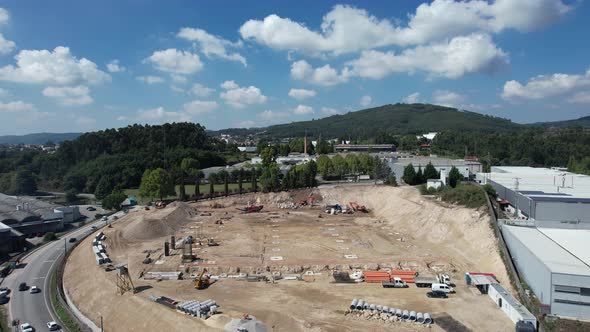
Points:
(394, 283)
(427, 281)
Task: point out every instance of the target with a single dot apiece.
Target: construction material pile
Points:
(248, 323)
(198, 309)
(99, 249)
(368, 310)
(159, 223)
(162, 275)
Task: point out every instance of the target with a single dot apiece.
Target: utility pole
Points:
(516, 184)
(65, 247)
(101, 329)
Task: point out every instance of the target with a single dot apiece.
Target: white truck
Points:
(428, 281)
(396, 282)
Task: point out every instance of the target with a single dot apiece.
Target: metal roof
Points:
(522, 310)
(436, 161)
(542, 184)
(551, 245)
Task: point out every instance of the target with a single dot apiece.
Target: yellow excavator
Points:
(202, 282)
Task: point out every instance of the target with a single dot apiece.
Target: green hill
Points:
(39, 138)
(398, 118)
(583, 122)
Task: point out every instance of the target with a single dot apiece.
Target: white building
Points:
(510, 306)
(555, 263)
(467, 168)
(69, 213)
(542, 194)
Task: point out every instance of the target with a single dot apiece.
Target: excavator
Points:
(202, 282)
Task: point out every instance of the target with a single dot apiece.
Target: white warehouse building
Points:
(542, 194)
(555, 263)
(468, 168)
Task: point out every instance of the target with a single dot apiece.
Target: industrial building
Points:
(11, 240)
(70, 214)
(545, 195)
(468, 168)
(364, 148)
(555, 263)
(30, 216)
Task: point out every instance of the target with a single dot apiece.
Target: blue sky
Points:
(87, 65)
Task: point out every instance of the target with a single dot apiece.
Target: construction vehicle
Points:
(202, 281)
(211, 242)
(251, 208)
(357, 207)
(395, 282)
(160, 205)
(429, 281)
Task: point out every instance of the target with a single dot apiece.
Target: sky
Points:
(71, 66)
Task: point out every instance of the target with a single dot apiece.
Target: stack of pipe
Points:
(407, 315)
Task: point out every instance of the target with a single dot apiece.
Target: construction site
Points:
(290, 261)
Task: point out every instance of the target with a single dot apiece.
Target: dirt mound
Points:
(159, 223)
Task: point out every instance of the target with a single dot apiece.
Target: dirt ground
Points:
(402, 230)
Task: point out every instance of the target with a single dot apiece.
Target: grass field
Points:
(190, 190)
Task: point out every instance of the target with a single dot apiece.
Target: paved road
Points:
(35, 309)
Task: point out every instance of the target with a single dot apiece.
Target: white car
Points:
(26, 327)
(35, 289)
(52, 326)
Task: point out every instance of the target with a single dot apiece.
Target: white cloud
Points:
(85, 121)
(175, 61)
(150, 79)
(247, 124)
(180, 79)
(197, 107)
(346, 29)
(366, 101)
(6, 46)
(229, 85)
(271, 116)
(122, 118)
(57, 67)
(412, 98)
(325, 76)
(239, 97)
(301, 93)
(69, 96)
(16, 107)
(160, 115)
(303, 110)
(177, 89)
(4, 16)
(580, 98)
(115, 67)
(210, 45)
(549, 86)
(453, 59)
(448, 98)
(329, 111)
(200, 90)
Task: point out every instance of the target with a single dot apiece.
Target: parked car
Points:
(22, 286)
(443, 288)
(52, 326)
(91, 208)
(26, 327)
(93, 227)
(4, 300)
(72, 240)
(5, 289)
(115, 217)
(35, 289)
(104, 218)
(437, 294)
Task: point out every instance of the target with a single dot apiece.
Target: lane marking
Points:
(49, 261)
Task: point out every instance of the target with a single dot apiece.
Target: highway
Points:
(36, 309)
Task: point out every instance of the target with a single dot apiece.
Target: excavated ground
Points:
(402, 230)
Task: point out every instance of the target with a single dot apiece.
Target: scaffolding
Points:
(124, 282)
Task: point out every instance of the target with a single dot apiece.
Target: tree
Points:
(211, 190)
(490, 190)
(391, 180)
(324, 166)
(240, 176)
(380, 169)
(104, 187)
(454, 176)
(113, 200)
(340, 166)
(269, 180)
(186, 168)
(268, 156)
(49, 236)
(71, 196)
(284, 149)
(198, 174)
(226, 185)
(24, 182)
(324, 147)
(156, 183)
(254, 185)
(353, 163)
(409, 176)
(420, 176)
(430, 172)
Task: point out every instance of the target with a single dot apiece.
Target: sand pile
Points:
(158, 223)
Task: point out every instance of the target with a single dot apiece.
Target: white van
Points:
(442, 288)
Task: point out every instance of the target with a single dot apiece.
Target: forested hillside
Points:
(583, 122)
(112, 159)
(398, 118)
(38, 138)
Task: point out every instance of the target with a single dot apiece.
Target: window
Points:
(571, 302)
(568, 289)
(585, 291)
